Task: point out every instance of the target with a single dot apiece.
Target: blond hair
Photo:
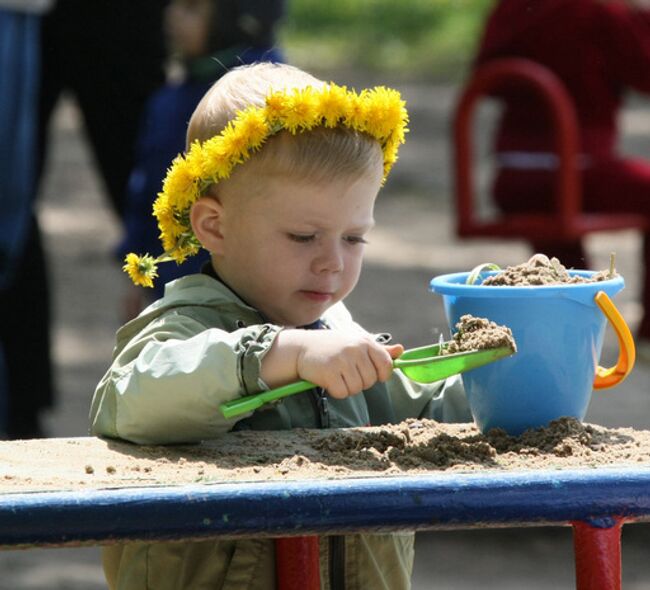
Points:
(312, 156)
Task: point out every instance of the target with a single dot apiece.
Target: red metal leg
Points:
(598, 554)
(297, 563)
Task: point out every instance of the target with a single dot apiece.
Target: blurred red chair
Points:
(567, 221)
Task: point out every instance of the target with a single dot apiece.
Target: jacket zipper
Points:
(321, 407)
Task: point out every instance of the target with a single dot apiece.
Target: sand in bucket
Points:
(559, 330)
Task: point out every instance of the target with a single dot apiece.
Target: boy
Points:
(278, 184)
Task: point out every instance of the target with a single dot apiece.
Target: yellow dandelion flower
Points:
(235, 143)
(391, 147)
(398, 134)
(185, 252)
(178, 255)
(180, 184)
(185, 246)
(168, 238)
(141, 269)
(173, 230)
(390, 156)
(297, 111)
(387, 112)
(276, 105)
(305, 108)
(356, 114)
(375, 113)
(161, 207)
(300, 111)
(216, 159)
(253, 125)
(194, 159)
(334, 104)
(168, 223)
(162, 211)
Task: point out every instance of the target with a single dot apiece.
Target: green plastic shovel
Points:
(424, 365)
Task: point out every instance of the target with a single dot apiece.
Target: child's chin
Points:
(300, 314)
(305, 319)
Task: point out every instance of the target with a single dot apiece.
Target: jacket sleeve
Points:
(166, 385)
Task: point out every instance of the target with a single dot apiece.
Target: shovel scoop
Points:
(425, 364)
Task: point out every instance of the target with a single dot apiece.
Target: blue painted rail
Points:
(596, 502)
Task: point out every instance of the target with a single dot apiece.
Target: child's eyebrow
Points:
(364, 227)
(359, 227)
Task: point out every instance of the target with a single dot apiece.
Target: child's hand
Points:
(344, 363)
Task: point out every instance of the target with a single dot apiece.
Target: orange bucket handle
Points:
(626, 350)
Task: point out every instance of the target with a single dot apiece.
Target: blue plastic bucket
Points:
(559, 332)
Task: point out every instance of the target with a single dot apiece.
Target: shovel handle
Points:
(626, 350)
(242, 405)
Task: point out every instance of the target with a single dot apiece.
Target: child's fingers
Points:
(381, 359)
(337, 387)
(394, 350)
(353, 381)
(368, 371)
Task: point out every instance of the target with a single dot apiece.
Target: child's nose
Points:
(329, 259)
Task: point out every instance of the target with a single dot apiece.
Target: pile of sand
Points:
(474, 333)
(411, 447)
(540, 270)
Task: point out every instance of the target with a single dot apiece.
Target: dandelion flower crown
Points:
(379, 112)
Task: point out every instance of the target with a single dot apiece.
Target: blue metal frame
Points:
(325, 506)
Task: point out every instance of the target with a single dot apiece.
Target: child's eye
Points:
(355, 240)
(301, 238)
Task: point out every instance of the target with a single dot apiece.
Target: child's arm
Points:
(166, 383)
(344, 362)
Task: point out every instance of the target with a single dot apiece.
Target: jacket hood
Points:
(195, 289)
(188, 291)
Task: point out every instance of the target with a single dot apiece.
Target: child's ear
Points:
(206, 217)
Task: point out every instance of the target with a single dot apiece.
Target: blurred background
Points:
(425, 49)
(415, 39)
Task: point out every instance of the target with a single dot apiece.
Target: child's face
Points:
(295, 249)
(187, 23)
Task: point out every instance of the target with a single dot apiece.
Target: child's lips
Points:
(319, 296)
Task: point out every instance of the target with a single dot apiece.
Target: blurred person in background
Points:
(109, 54)
(206, 38)
(20, 22)
(598, 49)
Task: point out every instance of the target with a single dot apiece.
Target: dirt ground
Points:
(413, 242)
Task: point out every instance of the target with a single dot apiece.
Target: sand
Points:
(411, 447)
(540, 270)
(474, 333)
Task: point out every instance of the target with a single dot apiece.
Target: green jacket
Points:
(196, 348)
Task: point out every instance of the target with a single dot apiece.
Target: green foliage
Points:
(432, 38)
